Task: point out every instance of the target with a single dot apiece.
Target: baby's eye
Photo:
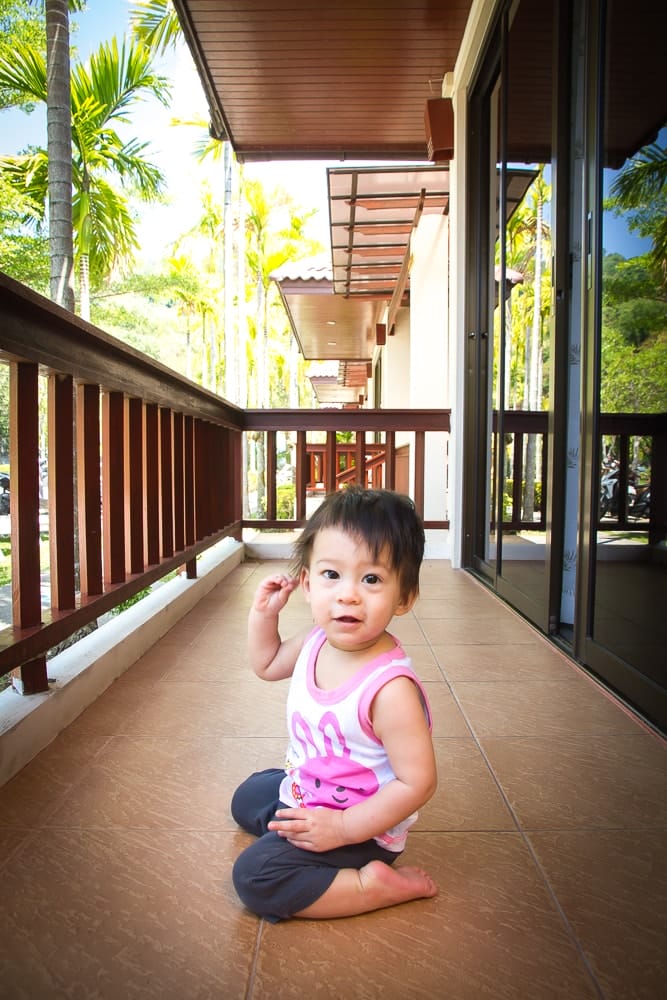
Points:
(372, 578)
(330, 574)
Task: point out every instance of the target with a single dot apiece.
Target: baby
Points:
(360, 762)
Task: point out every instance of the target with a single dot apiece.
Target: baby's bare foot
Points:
(388, 886)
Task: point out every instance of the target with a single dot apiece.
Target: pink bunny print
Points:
(330, 778)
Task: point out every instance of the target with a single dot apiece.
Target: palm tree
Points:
(275, 235)
(59, 145)
(102, 94)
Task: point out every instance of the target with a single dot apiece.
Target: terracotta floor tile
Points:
(243, 707)
(467, 797)
(492, 932)
(447, 717)
(617, 781)
(33, 794)
(457, 604)
(407, 630)
(10, 843)
(424, 662)
(114, 710)
(492, 629)
(158, 783)
(612, 885)
(228, 662)
(543, 708)
(124, 913)
(156, 663)
(183, 632)
(216, 633)
(521, 662)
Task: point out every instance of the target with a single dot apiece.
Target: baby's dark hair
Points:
(386, 521)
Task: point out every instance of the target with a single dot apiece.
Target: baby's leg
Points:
(277, 880)
(255, 801)
(372, 887)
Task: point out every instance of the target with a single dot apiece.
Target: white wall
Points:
(396, 364)
(429, 357)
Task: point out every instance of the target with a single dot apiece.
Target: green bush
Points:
(507, 497)
(285, 502)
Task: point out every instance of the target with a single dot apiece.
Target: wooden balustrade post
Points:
(657, 531)
(60, 418)
(89, 501)
(151, 458)
(30, 677)
(301, 475)
(134, 485)
(390, 460)
(420, 454)
(189, 479)
(200, 479)
(360, 458)
(330, 463)
(113, 487)
(166, 483)
(179, 480)
(271, 466)
(517, 483)
(239, 478)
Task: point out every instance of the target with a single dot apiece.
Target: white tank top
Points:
(334, 758)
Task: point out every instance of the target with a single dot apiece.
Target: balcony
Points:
(546, 834)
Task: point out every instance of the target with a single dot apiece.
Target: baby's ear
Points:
(304, 580)
(406, 603)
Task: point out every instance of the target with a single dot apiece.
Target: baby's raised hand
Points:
(273, 593)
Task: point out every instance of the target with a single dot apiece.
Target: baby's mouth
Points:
(347, 619)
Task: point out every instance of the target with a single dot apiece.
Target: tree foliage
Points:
(103, 94)
(639, 191)
(634, 336)
(156, 24)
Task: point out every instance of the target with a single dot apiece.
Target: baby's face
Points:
(353, 596)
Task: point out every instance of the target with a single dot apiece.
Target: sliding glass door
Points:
(509, 340)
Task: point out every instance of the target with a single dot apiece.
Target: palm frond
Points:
(155, 23)
(112, 228)
(642, 179)
(28, 175)
(24, 72)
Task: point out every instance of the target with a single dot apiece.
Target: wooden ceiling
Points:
(373, 212)
(327, 326)
(343, 80)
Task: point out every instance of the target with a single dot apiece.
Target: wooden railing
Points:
(395, 457)
(519, 425)
(621, 429)
(146, 471)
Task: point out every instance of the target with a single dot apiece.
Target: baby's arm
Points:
(399, 721)
(270, 657)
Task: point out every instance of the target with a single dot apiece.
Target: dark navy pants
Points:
(274, 879)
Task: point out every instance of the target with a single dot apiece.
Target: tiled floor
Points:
(546, 834)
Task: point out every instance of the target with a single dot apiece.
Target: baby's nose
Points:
(348, 592)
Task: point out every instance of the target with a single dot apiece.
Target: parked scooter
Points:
(639, 499)
(641, 503)
(4, 493)
(609, 490)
